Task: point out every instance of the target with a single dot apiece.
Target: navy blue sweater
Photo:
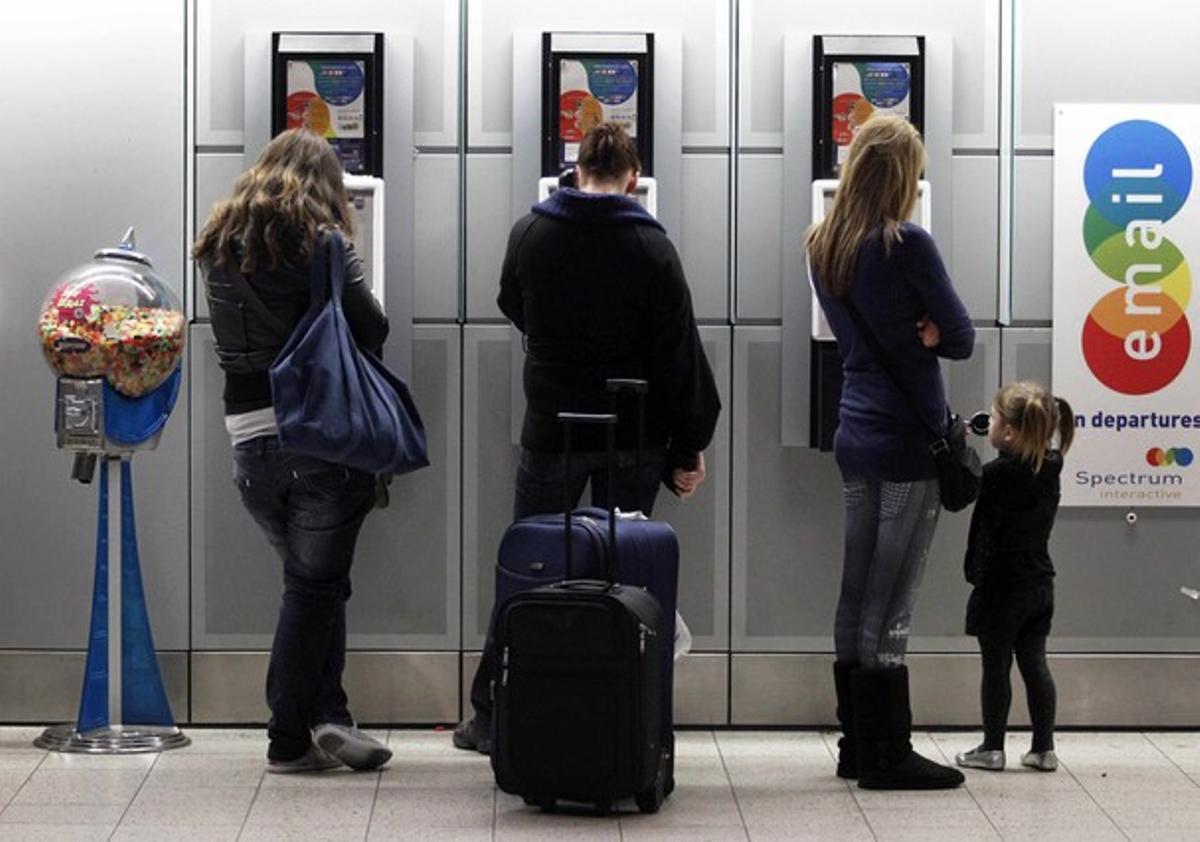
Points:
(878, 435)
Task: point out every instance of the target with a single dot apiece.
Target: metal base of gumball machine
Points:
(128, 739)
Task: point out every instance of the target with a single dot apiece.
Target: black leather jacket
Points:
(248, 342)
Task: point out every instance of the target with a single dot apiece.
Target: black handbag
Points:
(959, 471)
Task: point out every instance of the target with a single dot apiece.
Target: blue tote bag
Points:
(332, 400)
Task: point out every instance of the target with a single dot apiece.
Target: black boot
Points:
(847, 764)
(883, 727)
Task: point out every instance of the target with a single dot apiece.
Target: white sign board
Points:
(1126, 223)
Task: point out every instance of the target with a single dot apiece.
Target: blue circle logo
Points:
(885, 84)
(338, 82)
(611, 81)
(1137, 169)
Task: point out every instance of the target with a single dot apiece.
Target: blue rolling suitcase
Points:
(532, 555)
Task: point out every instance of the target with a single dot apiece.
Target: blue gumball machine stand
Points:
(124, 707)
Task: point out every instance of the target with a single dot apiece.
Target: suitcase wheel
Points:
(649, 800)
(603, 808)
(549, 805)
(529, 800)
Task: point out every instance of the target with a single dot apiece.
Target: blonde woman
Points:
(255, 253)
(870, 266)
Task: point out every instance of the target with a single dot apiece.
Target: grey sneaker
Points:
(981, 758)
(473, 735)
(313, 760)
(1043, 761)
(351, 746)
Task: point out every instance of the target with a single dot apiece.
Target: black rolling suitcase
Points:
(578, 695)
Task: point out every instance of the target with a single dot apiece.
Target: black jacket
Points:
(248, 342)
(1008, 544)
(598, 290)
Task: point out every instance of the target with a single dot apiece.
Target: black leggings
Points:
(996, 690)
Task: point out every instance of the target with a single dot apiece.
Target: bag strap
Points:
(881, 357)
(327, 278)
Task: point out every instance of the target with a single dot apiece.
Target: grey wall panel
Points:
(787, 515)
(45, 686)
(1114, 53)
(703, 26)
(1093, 691)
(702, 689)
(236, 577)
(215, 174)
(435, 240)
(973, 26)
(63, 197)
(1032, 238)
(973, 260)
(222, 24)
(703, 240)
(1025, 354)
(489, 218)
(383, 687)
(761, 238)
(702, 521)
(1117, 585)
(406, 567)
(490, 464)
(407, 564)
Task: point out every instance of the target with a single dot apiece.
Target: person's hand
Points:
(686, 482)
(929, 333)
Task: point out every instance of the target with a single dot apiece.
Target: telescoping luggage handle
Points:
(614, 385)
(569, 419)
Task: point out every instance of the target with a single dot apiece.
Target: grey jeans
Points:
(889, 526)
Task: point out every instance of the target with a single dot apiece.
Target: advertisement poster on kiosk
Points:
(595, 91)
(327, 97)
(862, 89)
(1126, 225)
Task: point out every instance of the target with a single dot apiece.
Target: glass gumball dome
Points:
(114, 318)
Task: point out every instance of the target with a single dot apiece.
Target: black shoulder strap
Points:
(881, 357)
(256, 304)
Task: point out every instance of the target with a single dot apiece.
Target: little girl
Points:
(1008, 562)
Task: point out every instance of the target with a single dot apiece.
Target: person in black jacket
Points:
(255, 253)
(1008, 562)
(596, 287)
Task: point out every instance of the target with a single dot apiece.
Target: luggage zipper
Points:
(643, 632)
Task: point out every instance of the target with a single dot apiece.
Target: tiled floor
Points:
(732, 786)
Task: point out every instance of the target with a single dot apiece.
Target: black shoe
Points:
(847, 761)
(883, 728)
(472, 735)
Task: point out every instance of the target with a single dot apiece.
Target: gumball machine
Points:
(114, 334)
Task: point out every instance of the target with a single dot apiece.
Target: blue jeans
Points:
(539, 491)
(889, 526)
(311, 512)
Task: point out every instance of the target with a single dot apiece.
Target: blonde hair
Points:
(278, 207)
(878, 187)
(1035, 416)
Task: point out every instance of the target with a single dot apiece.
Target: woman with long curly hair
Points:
(255, 253)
